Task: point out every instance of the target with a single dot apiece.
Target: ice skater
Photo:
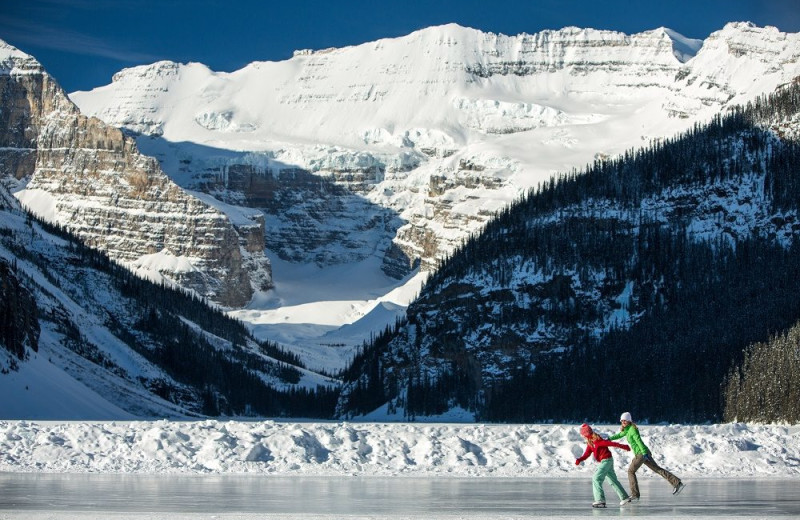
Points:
(641, 455)
(605, 469)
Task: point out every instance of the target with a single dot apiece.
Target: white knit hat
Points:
(626, 417)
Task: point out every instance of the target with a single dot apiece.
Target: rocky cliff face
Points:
(88, 176)
(322, 219)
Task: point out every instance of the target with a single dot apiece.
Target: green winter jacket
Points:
(631, 434)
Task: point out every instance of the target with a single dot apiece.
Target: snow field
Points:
(383, 449)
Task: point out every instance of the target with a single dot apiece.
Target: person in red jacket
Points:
(605, 469)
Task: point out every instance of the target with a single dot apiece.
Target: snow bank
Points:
(382, 449)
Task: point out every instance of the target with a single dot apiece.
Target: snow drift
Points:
(383, 449)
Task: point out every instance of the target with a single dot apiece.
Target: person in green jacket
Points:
(641, 456)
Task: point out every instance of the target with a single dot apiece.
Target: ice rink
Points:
(94, 496)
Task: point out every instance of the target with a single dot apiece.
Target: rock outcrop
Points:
(79, 172)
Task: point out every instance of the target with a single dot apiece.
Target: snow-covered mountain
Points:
(89, 177)
(392, 152)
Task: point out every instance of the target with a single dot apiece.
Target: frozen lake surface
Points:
(72, 496)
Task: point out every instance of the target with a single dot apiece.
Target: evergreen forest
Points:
(639, 284)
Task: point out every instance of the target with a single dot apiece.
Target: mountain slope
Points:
(638, 282)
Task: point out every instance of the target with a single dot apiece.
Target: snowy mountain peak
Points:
(13, 60)
(739, 26)
(684, 48)
(8, 50)
(746, 31)
(447, 29)
(161, 71)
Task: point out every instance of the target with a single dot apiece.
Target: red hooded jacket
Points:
(600, 450)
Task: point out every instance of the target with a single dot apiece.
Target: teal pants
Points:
(605, 470)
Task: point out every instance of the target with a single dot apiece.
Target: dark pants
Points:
(648, 461)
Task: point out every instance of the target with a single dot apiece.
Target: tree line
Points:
(765, 385)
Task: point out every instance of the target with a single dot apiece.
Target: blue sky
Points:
(84, 42)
